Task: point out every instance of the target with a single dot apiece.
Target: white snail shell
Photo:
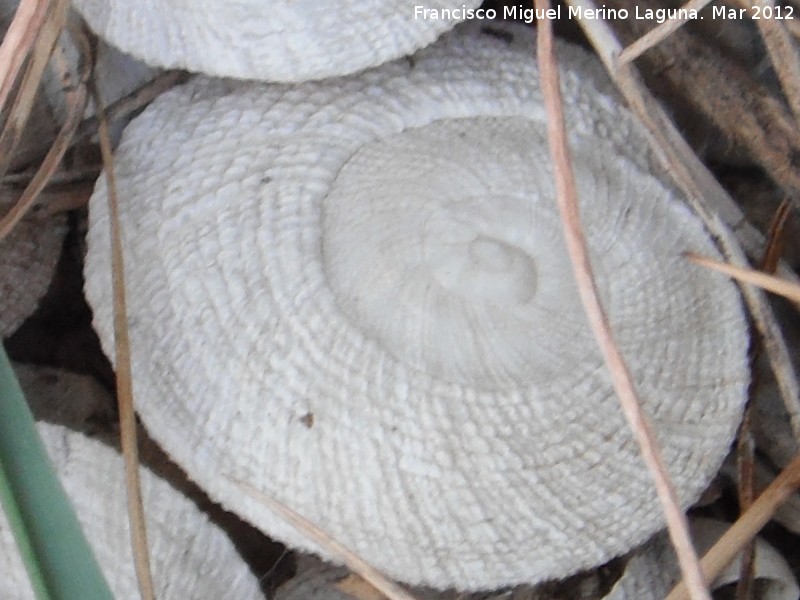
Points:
(190, 557)
(355, 296)
(270, 40)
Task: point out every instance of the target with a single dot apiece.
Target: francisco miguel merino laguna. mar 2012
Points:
(529, 15)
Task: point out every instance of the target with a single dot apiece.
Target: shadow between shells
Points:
(353, 295)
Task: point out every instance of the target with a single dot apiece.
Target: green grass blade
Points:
(60, 563)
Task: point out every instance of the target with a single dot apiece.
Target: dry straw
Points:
(567, 198)
(127, 416)
(25, 51)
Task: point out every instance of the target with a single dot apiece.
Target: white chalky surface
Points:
(354, 295)
(275, 40)
(189, 556)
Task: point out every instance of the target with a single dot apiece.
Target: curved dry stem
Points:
(127, 417)
(745, 446)
(355, 563)
(771, 283)
(567, 197)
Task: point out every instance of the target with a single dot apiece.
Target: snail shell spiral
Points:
(355, 296)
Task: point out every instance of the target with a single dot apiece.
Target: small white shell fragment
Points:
(653, 571)
(354, 295)
(28, 258)
(271, 40)
(190, 557)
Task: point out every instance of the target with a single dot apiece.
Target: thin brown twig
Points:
(65, 199)
(127, 417)
(76, 94)
(73, 175)
(746, 527)
(567, 198)
(140, 97)
(355, 563)
(745, 446)
(54, 201)
(771, 283)
(745, 466)
(17, 42)
(660, 33)
(776, 237)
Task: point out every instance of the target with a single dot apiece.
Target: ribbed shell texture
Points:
(190, 557)
(275, 40)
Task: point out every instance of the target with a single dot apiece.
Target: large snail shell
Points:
(271, 40)
(355, 296)
(190, 557)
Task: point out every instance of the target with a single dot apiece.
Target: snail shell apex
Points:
(383, 252)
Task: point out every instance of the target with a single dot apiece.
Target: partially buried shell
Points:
(269, 39)
(355, 296)
(190, 557)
